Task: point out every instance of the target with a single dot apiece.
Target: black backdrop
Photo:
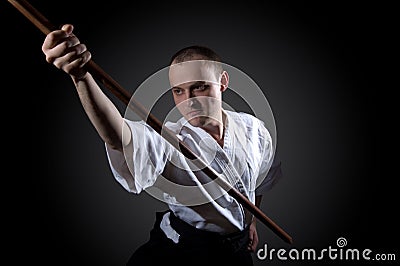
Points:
(314, 62)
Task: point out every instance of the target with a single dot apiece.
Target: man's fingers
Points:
(56, 37)
(253, 246)
(253, 241)
(73, 60)
(61, 49)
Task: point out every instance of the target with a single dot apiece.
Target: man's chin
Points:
(195, 121)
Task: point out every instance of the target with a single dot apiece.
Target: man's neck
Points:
(216, 128)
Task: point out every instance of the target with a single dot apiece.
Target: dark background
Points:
(316, 64)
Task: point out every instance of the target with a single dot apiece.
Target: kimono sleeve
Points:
(142, 161)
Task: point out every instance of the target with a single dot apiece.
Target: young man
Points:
(204, 223)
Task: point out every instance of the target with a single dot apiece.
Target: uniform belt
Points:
(189, 235)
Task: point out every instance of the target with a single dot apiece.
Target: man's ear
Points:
(224, 81)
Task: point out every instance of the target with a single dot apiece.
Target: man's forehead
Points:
(192, 71)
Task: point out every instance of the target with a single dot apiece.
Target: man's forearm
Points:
(103, 114)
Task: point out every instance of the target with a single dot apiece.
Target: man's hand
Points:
(64, 50)
(253, 236)
(253, 241)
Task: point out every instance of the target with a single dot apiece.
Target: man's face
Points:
(197, 90)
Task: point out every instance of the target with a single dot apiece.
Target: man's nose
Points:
(190, 98)
(193, 103)
(190, 101)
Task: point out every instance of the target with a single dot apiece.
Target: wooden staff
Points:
(43, 24)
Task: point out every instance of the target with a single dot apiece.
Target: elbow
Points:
(115, 145)
(114, 141)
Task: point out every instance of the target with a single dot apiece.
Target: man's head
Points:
(197, 80)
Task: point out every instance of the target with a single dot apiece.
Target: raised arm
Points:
(64, 50)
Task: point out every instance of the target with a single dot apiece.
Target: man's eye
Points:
(201, 87)
(177, 91)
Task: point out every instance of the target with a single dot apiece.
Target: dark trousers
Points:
(195, 247)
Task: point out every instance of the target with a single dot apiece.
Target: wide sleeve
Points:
(274, 174)
(270, 165)
(142, 161)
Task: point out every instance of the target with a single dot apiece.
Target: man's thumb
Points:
(68, 28)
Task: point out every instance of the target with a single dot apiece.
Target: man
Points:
(204, 223)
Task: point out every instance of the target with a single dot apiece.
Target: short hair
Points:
(187, 53)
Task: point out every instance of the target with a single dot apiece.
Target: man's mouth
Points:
(194, 113)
